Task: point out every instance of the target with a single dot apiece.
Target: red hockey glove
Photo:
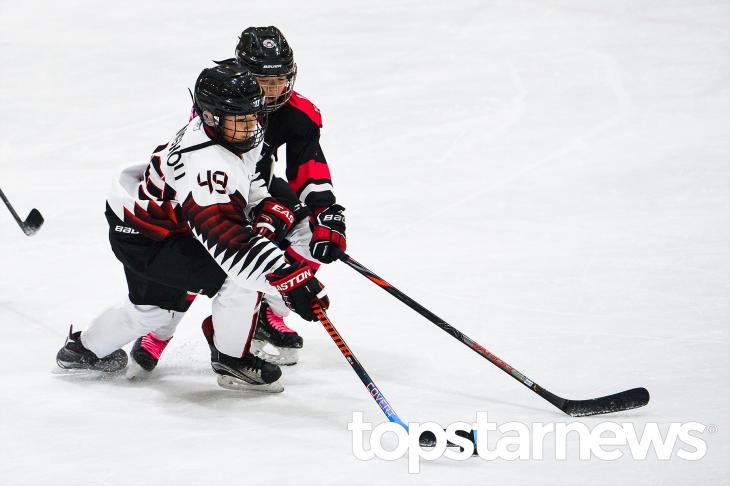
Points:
(299, 288)
(272, 220)
(328, 233)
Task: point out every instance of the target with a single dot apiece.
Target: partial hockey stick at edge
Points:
(427, 438)
(625, 400)
(32, 223)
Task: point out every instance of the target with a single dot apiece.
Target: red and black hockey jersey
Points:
(297, 124)
(194, 185)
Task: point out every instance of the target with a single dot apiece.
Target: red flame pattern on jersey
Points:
(223, 230)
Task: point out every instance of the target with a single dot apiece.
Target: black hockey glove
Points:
(272, 220)
(299, 288)
(328, 233)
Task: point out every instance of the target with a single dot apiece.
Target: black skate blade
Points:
(61, 371)
(428, 439)
(231, 383)
(86, 373)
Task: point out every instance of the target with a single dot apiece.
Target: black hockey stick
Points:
(427, 439)
(625, 400)
(32, 223)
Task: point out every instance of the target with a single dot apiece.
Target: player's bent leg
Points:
(98, 348)
(165, 277)
(108, 332)
(230, 342)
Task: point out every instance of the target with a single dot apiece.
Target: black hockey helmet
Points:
(265, 52)
(230, 89)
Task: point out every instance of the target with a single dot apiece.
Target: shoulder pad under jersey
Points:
(307, 107)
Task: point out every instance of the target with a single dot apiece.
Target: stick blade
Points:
(625, 400)
(33, 222)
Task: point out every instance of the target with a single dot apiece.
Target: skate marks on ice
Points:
(27, 318)
(193, 386)
(621, 112)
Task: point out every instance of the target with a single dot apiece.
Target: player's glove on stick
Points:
(299, 288)
(273, 220)
(328, 233)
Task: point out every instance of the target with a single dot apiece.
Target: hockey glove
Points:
(328, 233)
(273, 220)
(299, 288)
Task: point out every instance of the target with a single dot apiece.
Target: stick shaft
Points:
(372, 389)
(10, 207)
(455, 333)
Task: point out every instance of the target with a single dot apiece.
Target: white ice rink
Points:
(550, 177)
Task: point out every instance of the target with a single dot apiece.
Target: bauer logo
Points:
(269, 43)
(126, 230)
(605, 441)
(334, 217)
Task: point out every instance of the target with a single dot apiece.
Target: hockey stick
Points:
(625, 400)
(427, 438)
(32, 223)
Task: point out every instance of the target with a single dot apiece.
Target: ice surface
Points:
(552, 178)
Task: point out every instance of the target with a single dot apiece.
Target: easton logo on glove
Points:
(299, 288)
(273, 220)
(294, 280)
(283, 212)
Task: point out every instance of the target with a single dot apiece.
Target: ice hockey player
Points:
(296, 122)
(190, 221)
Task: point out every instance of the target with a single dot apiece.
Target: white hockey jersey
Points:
(194, 185)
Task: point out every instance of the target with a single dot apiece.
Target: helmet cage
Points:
(267, 54)
(219, 94)
(273, 103)
(251, 138)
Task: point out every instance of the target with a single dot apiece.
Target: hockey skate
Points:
(272, 332)
(248, 373)
(74, 356)
(145, 355)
